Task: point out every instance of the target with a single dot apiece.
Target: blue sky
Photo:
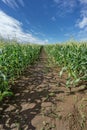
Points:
(43, 21)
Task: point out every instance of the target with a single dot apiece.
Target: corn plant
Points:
(72, 58)
(14, 58)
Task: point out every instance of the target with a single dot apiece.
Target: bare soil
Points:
(42, 102)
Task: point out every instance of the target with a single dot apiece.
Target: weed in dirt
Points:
(82, 114)
(84, 99)
(48, 126)
(83, 120)
(56, 115)
(18, 125)
(58, 84)
(60, 108)
(69, 115)
(46, 70)
(81, 106)
(75, 97)
(51, 94)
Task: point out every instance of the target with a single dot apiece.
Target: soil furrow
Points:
(41, 101)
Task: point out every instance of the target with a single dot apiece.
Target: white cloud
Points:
(82, 35)
(83, 23)
(13, 3)
(12, 28)
(83, 1)
(10, 3)
(64, 7)
(66, 3)
(83, 12)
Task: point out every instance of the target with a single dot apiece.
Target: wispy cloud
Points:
(83, 23)
(83, 12)
(53, 18)
(82, 35)
(12, 28)
(65, 6)
(21, 2)
(10, 3)
(83, 1)
(65, 3)
(13, 3)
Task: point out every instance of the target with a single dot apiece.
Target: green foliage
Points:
(72, 58)
(5, 94)
(14, 58)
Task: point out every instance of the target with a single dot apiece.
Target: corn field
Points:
(72, 58)
(14, 58)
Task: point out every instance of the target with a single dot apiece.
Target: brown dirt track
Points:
(41, 101)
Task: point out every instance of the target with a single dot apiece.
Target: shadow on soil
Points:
(30, 91)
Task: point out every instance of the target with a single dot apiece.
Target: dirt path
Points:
(41, 102)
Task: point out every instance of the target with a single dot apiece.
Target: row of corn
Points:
(72, 58)
(14, 58)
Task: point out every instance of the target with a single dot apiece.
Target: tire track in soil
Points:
(40, 100)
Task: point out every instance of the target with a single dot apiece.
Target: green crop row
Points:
(72, 58)
(14, 58)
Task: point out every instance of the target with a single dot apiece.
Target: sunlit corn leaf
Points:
(61, 72)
